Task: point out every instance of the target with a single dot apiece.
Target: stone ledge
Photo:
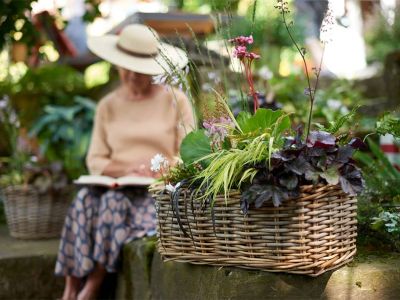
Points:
(369, 277)
(26, 272)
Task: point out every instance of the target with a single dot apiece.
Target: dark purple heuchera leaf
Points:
(260, 194)
(288, 142)
(289, 181)
(315, 152)
(299, 166)
(266, 195)
(321, 139)
(249, 196)
(283, 155)
(351, 180)
(278, 196)
(352, 187)
(357, 143)
(344, 154)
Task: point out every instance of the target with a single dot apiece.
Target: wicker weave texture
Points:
(32, 215)
(311, 234)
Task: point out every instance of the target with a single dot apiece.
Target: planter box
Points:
(33, 215)
(310, 235)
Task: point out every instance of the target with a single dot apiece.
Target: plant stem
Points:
(249, 77)
(315, 89)
(311, 93)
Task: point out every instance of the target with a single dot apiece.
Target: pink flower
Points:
(217, 129)
(242, 40)
(252, 55)
(240, 52)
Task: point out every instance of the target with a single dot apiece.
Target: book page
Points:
(114, 182)
(96, 180)
(133, 180)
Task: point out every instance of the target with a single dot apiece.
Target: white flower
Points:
(334, 104)
(265, 73)
(3, 103)
(170, 188)
(158, 162)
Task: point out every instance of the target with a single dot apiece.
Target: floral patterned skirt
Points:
(99, 222)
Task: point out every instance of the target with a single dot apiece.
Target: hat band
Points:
(133, 53)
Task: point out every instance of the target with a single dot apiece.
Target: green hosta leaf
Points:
(264, 119)
(195, 146)
(243, 118)
(331, 175)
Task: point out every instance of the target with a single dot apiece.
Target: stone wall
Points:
(145, 276)
(26, 272)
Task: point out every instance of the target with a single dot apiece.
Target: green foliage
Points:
(92, 10)
(15, 20)
(16, 23)
(195, 146)
(335, 126)
(208, 5)
(267, 28)
(381, 178)
(259, 137)
(2, 213)
(388, 224)
(14, 164)
(263, 119)
(390, 220)
(50, 84)
(389, 124)
(384, 38)
(378, 200)
(64, 134)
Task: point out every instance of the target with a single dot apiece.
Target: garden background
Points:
(50, 84)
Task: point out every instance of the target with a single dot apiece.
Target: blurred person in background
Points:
(132, 124)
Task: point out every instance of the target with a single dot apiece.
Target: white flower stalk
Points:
(170, 188)
(158, 162)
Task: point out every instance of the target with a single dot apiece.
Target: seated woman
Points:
(133, 123)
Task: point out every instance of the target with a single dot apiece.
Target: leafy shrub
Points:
(64, 134)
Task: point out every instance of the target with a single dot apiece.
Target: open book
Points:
(113, 182)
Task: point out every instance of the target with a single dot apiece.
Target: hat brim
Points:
(168, 60)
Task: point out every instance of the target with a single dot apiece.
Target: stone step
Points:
(26, 272)
(26, 268)
(145, 276)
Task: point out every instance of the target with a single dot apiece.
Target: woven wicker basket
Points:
(311, 234)
(32, 215)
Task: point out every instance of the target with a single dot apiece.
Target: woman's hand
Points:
(140, 170)
(119, 169)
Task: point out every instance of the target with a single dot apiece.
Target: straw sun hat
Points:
(137, 48)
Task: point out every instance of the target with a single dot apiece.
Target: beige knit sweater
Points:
(133, 131)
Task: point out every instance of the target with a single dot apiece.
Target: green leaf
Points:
(243, 118)
(195, 146)
(383, 159)
(331, 175)
(264, 119)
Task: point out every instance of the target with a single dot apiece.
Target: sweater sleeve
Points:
(99, 153)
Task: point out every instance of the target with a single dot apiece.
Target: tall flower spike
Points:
(246, 58)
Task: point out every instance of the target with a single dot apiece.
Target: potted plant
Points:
(256, 191)
(35, 193)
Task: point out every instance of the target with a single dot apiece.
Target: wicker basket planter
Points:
(310, 235)
(32, 215)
